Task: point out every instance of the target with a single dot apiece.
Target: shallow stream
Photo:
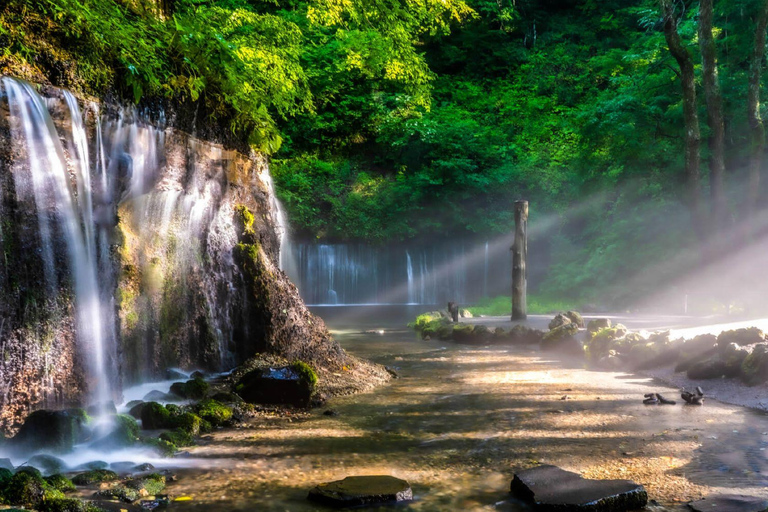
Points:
(461, 419)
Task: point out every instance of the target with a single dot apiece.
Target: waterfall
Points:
(411, 288)
(63, 210)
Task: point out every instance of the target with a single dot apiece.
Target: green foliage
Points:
(306, 373)
(502, 306)
(60, 483)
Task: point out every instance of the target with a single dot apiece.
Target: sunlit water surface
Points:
(460, 420)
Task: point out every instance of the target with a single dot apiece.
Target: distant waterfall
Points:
(462, 271)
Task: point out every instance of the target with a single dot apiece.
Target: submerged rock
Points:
(551, 488)
(356, 491)
(729, 503)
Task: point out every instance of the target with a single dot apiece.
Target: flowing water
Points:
(461, 419)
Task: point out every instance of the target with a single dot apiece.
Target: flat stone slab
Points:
(729, 503)
(355, 491)
(550, 488)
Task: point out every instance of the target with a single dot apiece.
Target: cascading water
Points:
(411, 286)
(62, 210)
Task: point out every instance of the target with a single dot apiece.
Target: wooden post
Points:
(519, 255)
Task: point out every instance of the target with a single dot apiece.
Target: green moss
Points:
(245, 217)
(161, 446)
(178, 437)
(154, 416)
(188, 422)
(213, 412)
(306, 373)
(67, 505)
(95, 476)
(153, 483)
(24, 488)
(196, 389)
(61, 483)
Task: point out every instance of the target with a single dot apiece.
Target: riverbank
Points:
(460, 420)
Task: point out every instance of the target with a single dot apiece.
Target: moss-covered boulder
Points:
(196, 389)
(178, 437)
(123, 431)
(95, 476)
(136, 409)
(712, 368)
(287, 385)
(576, 318)
(118, 493)
(47, 464)
(60, 483)
(25, 489)
(151, 484)
(162, 447)
(463, 333)
(179, 389)
(754, 368)
(598, 323)
(55, 431)
(189, 422)
(561, 338)
(741, 337)
(213, 412)
(605, 340)
(154, 416)
(523, 335)
(559, 321)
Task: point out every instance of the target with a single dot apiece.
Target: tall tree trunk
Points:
(753, 108)
(714, 111)
(690, 117)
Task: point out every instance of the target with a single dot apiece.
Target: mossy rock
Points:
(227, 398)
(124, 432)
(155, 416)
(754, 368)
(94, 464)
(174, 410)
(95, 476)
(597, 324)
(178, 437)
(525, 335)
(463, 333)
(119, 493)
(559, 336)
(153, 483)
(60, 483)
(47, 464)
(179, 389)
(481, 333)
(641, 353)
(161, 446)
(710, 369)
(189, 423)
(196, 389)
(135, 411)
(68, 505)
(56, 431)
(444, 332)
(741, 337)
(279, 386)
(133, 403)
(307, 376)
(213, 412)
(576, 318)
(559, 321)
(25, 488)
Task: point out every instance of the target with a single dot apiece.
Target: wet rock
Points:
(179, 389)
(154, 416)
(729, 503)
(144, 467)
(525, 335)
(196, 389)
(551, 488)
(56, 431)
(197, 374)
(597, 324)
(282, 385)
(158, 396)
(741, 337)
(95, 476)
(355, 491)
(147, 485)
(754, 368)
(123, 431)
(47, 464)
(135, 411)
(559, 321)
(561, 338)
(124, 466)
(133, 403)
(576, 318)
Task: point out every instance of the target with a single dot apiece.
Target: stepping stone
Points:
(355, 491)
(729, 503)
(550, 488)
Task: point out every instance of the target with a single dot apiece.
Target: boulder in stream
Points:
(356, 491)
(551, 488)
(55, 431)
(729, 503)
(291, 385)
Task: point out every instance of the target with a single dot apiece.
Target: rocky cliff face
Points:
(129, 246)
